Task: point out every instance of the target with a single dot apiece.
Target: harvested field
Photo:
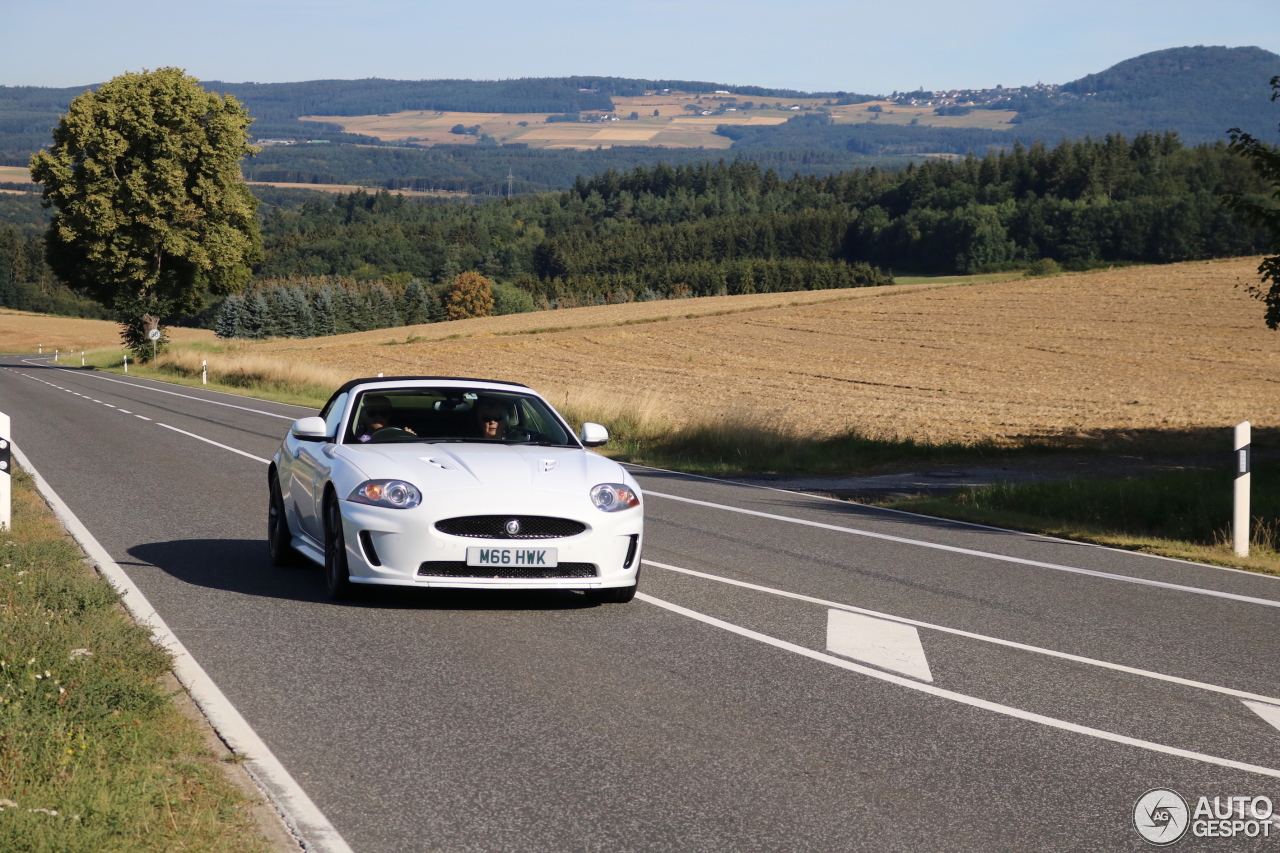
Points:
(1164, 349)
(21, 331)
(15, 175)
(351, 188)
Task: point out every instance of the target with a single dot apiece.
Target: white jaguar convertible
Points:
(444, 482)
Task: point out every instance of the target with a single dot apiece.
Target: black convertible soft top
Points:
(354, 382)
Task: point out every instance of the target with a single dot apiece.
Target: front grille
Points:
(495, 527)
(459, 569)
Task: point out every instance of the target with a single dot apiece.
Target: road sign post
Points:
(6, 474)
(1240, 514)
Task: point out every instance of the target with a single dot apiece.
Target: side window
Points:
(333, 417)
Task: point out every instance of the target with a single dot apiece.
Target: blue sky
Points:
(816, 45)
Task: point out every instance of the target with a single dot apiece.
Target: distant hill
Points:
(1198, 91)
(28, 112)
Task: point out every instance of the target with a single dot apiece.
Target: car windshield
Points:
(394, 415)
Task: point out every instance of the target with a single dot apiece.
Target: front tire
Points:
(279, 537)
(337, 579)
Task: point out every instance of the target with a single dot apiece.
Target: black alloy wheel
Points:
(336, 577)
(279, 538)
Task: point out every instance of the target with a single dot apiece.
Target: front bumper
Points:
(402, 541)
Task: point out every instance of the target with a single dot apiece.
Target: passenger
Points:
(491, 419)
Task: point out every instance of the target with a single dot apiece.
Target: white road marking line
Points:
(961, 698)
(108, 405)
(919, 543)
(124, 411)
(1117, 667)
(1036, 537)
(144, 418)
(879, 642)
(95, 375)
(298, 810)
(215, 443)
(1270, 713)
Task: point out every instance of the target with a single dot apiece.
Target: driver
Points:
(375, 415)
(491, 419)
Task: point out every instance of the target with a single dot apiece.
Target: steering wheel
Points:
(389, 432)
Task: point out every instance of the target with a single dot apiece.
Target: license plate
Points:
(534, 558)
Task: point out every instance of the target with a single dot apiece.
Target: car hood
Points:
(444, 467)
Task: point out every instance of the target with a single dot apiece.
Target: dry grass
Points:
(1169, 349)
(23, 331)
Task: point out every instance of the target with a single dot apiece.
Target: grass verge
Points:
(1182, 514)
(96, 756)
(231, 371)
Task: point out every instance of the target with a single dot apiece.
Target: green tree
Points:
(1266, 215)
(324, 311)
(153, 216)
(230, 318)
(470, 295)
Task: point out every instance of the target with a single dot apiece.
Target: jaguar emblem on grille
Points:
(512, 527)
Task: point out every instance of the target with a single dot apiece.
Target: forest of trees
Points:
(483, 169)
(668, 231)
(1080, 203)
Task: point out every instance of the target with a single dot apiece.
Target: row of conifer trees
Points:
(314, 306)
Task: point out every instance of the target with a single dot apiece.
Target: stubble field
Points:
(1167, 349)
(1158, 350)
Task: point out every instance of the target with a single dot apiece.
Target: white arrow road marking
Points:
(879, 642)
(1270, 713)
(960, 698)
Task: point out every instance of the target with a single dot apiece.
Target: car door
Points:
(309, 470)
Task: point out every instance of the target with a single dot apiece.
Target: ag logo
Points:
(1160, 816)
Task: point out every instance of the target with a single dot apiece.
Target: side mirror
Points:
(310, 429)
(594, 435)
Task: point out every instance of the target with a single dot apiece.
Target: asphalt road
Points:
(798, 674)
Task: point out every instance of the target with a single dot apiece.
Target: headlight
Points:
(396, 494)
(612, 497)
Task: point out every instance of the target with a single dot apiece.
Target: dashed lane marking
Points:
(960, 698)
(987, 555)
(957, 632)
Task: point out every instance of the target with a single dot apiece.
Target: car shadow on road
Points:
(241, 566)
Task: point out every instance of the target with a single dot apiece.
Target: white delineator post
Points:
(126, 363)
(204, 371)
(6, 474)
(55, 355)
(1240, 513)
